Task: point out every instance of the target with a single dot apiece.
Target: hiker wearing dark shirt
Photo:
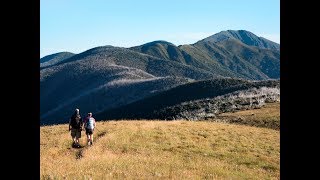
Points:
(75, 126)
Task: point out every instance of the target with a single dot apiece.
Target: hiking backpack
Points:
(90, 123)
(76, 122)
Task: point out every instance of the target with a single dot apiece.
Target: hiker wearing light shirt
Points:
(89, 125)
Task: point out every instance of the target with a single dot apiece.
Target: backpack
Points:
(76, 122)
(90, 123)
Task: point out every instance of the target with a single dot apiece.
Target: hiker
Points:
(75, 126)
(89, 125)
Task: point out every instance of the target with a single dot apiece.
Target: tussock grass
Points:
(162, 150)
(267, 116)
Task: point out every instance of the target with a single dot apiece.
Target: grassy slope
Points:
(268, 116)
(162, 150)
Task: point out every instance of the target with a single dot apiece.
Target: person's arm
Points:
(84, 123)
(94, 123)
(69, 124)
(81, 123)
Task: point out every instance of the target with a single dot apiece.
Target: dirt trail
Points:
(79, 152)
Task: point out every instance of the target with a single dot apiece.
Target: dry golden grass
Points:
(268, 116)
(162, 150)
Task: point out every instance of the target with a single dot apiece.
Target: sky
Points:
(78, 25)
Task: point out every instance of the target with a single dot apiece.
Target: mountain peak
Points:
(158, 42)
(244, 36)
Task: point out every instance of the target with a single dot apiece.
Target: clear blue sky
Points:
(78, 25)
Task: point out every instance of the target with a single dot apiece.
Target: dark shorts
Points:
(89, 131)
(75, 133)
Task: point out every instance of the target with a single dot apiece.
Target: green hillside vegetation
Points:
(263, 60)
(192, 57)
(238, 54)
(245, 37)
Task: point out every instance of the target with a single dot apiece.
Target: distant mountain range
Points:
(107, 77)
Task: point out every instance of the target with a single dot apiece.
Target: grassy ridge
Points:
(162, 150)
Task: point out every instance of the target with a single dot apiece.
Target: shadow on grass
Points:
(77, 146)
(101, 134)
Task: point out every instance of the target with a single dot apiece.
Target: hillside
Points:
(109, 55)
(108, 80)
(229, 53)
(107, 92)
(245, 37)
(266, 61)
(200, 99)
(87, 81)
(169, 51)
(54, 58)
(162, 150)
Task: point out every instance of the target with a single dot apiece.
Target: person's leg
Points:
(87, 136)
(88, 139)
(78, 137)
(73, 135)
